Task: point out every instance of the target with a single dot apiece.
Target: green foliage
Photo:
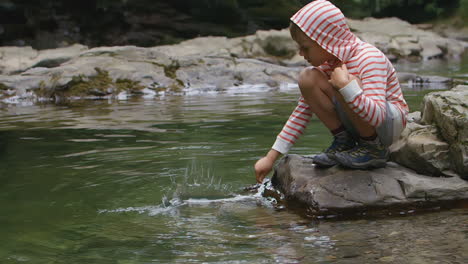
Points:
(246, 15)
(415, 11)
(157, 22)
(275, 13)
(463, 12)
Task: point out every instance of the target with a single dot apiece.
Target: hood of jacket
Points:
(324, 23)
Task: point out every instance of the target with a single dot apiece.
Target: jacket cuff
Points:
(350, 91)
(281, 146)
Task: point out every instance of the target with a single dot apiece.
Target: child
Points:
(352, 89)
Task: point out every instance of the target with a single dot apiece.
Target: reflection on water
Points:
(162, 181)
(454, 68)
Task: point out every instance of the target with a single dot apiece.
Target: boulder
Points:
(405, 40)
(437, 143)
(335, 190)
(189, 67)
(429, 82)
(423, 151)
(14, 59)
(19, 59)
(434, 143)
(448, 111)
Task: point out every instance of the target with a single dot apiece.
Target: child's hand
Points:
(340, 77)
(263, 167)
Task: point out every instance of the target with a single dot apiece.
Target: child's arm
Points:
(294, 127)
(369, 100)
(291, 131)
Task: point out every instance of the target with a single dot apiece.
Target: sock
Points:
(338, 130)
(370, 138)
(374, 139)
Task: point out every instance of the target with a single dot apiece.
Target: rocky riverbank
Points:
(268, 58)
(431, 156)
(435, 144)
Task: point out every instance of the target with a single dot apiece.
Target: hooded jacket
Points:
(380, 92)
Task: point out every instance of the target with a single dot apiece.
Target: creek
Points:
(161, 181)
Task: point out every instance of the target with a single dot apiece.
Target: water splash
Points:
(200, 187)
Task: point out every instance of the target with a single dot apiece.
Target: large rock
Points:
(340, 190)
(434, 143)
(437, 143)
(405, 40)
(267, 58)
(19, 59)
(193, 65)
(422, 149)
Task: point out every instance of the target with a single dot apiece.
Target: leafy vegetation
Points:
(157, 22)
(414, 11)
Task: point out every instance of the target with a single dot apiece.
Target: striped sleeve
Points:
(369, 100)
(294, 127)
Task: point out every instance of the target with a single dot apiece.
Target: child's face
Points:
(311, 50)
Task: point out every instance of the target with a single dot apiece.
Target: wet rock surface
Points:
(344, 190)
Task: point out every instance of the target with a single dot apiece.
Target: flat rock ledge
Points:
(267, 60)
(341, 191)
(429, 166)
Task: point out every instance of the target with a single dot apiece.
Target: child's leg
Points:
(371, 150)
(319, 95)
(364, 129)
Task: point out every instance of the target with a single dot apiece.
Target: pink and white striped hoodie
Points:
(325, 24)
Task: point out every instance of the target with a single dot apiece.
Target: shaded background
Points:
(50, 23)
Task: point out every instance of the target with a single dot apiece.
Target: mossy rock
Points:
(3, 87)
(171, 70)
(85, 86)
(278, 50)
(98, 85)
(128, 85)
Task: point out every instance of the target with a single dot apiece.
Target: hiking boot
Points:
(341, 142)
(365, 155)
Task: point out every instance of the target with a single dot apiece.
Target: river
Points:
(161, 181)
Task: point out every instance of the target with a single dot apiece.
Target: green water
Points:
(161, 181)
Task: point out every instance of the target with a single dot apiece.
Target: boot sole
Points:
(372, 164)
(324, 165)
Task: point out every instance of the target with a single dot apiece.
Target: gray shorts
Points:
(388, 131)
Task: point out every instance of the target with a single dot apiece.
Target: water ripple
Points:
(104, 150)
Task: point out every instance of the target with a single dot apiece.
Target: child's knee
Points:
(311, 78)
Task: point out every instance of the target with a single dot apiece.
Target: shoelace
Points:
(338, 144)
(335, 145)
(357, 151)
